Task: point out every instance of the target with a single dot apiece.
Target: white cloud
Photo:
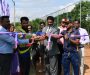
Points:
(34, 8)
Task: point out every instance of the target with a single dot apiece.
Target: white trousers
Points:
(82, 54)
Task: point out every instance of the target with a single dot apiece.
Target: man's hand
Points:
(43, 37)
(20, 35)
(66, 37)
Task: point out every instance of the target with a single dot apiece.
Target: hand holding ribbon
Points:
(49, 42)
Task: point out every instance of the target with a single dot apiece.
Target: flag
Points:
(5, 8)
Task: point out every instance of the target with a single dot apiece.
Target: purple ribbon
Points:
(49, 39)
(16, 36)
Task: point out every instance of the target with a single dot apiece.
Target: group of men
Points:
(62, 45)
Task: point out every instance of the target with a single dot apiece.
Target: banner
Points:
(4, 8)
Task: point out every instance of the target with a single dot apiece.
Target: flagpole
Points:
(14, 11)
(80, 13)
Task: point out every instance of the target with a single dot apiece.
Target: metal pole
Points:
(58, 20)
(14, 11)
(80, 13)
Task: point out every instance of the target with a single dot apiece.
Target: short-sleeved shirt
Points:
(68, 45)
(53, 45)
(39, 33)
(83, 39)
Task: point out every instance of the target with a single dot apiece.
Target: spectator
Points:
(83, 40)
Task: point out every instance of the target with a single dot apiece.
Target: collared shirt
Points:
(53, 44)
(62, 29)
(83, 39)
(7, 42)
(69, 46)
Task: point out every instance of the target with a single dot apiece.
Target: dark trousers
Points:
(52, 67)
(73, 58)
(60, 46)
(5, 64)
(24, 65)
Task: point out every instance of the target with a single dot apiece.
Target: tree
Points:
(85, 8)
(35, 24)
(75, 14)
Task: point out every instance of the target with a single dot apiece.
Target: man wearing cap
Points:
(7, 44)
(24, 50)
(60, 42)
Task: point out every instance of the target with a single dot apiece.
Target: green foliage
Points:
(85, 8)
(74, 14)
(17, 26)
(35, 24)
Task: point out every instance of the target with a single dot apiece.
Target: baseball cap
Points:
(65, 20)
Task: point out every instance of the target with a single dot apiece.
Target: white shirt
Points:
(83, 39)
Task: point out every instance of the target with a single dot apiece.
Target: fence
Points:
(66, 11)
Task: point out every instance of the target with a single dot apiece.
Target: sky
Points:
(37, 8)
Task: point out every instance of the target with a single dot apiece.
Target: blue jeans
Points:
(73, 58)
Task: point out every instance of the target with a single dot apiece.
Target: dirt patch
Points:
(87, 60)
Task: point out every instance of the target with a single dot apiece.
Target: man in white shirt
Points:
(83, 40)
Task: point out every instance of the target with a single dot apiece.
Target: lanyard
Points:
(48, 30)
